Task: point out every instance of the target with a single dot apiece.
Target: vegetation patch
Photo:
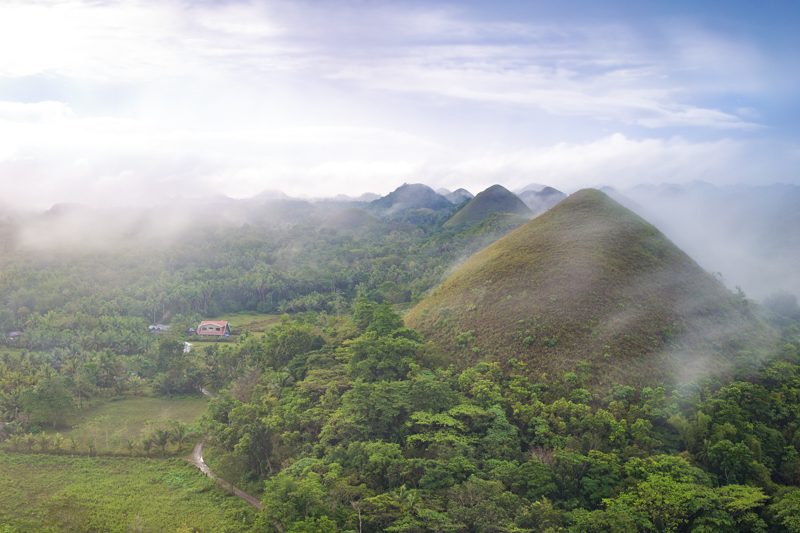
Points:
(56, 493)
(112, 426)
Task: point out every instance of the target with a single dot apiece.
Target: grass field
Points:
(57, 493)
(109, 425)
(252, 322)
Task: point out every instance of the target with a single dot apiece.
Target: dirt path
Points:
(197, 460)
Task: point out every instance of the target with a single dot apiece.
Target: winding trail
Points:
(197, 460)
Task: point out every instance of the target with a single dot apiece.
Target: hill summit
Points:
(459, 196)
(541, 201)
(591, 281)
(411, 196)
(493, 201)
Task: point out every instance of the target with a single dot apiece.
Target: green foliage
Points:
(353, 422)
(58, 493)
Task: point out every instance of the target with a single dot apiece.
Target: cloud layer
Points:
(127, 101)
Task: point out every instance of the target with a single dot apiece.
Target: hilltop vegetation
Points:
(496, 200)
(590, 280)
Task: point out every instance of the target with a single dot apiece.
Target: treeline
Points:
(170, 438)
(93, 300)
(361, 427)
(43, 390)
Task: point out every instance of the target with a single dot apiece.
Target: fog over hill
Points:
(748, 234)
(590, 281)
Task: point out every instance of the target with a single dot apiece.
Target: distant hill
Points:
(459, 196)
(351, 220)
(533, 187)
(590, 281)
(493, 201)
(542, 200)
(411, 196)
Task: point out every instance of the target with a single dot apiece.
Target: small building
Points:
(187, 347)
(158, 328)
(214, 328)
(13, 336)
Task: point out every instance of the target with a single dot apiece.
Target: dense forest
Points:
(343, 419)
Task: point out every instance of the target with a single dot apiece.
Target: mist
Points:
(747, 235)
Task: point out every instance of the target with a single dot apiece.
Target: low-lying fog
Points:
(750, 235)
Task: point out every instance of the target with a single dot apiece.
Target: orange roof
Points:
(220, 323)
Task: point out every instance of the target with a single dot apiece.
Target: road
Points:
(197, 460)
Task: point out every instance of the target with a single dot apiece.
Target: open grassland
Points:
(56, 493)
(109, 426)
(252, 322)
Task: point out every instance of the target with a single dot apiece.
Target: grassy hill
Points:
(494, 200)
(459, 196)
(411, 196)
(590, 281)
(541, 201)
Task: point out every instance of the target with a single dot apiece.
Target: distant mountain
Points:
(591, 281)
(534, 187)
(541, 200)
(271, 194)
(459, 196)
(495, 200)
(411, 196)
(367, 197)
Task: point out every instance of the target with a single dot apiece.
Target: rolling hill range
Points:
(495, 200)
(590, 281)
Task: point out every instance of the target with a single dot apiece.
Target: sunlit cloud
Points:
(116, 99)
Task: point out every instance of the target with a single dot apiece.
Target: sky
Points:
(128, 102)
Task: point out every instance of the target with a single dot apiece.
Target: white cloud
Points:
(619, 161)
(319, 98)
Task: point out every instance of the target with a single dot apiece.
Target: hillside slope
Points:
(541, 201)
(459, 196)
(493, 201)
(411, 196)
(590, 281)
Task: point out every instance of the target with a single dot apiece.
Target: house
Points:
(158, 328)
(214, 328)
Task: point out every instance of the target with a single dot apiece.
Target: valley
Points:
(562, 367)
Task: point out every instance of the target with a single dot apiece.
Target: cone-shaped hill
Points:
(459, 196)
(590, 281)
(411, 196)
(541, 201)
(496, 200)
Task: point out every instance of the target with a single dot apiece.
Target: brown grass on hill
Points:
(590, 281)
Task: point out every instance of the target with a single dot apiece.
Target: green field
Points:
(252, 322)
(108, 426)
(57, 493)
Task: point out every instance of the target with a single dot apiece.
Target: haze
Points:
(117, 103)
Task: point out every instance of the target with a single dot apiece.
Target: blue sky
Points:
(121, 102)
